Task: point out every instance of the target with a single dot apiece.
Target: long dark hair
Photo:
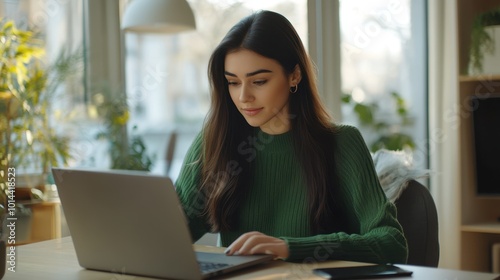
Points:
(225, 173)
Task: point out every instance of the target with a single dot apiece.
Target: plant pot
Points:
(491, 61)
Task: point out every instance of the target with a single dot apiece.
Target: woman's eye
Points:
(232, 83)
(260, 82)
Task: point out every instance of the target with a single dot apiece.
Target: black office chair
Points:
(417, 215)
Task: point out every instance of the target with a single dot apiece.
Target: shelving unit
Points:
(480, 227)
(45, 223)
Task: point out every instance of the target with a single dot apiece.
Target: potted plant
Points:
(389, 135)
(485, 41)
(29, 141)
(127, 152)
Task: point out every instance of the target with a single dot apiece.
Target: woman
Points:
(269, 171)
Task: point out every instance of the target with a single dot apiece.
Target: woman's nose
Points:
(245, 94)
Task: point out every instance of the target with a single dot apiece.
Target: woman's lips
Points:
(251, 111)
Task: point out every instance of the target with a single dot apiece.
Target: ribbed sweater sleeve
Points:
(377, 237)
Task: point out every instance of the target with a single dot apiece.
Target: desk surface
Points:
(56, 259)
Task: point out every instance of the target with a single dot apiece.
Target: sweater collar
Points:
(274, 142)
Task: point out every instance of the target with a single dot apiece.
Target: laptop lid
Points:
(131, 222)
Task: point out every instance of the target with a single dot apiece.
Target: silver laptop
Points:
(128, 222)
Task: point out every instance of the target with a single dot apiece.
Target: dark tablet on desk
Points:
(362, 272)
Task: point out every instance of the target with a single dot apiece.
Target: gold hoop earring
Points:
(294, 89)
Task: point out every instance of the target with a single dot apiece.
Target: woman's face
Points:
(260, 89)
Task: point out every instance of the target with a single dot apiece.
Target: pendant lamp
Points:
(158, 16)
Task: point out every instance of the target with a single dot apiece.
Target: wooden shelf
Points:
(482, 228)
(479, 227)
(480, 78)
(45, 221)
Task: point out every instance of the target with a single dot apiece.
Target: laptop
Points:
(131, 222)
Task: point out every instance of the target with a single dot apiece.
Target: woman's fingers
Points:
(252, 243)
(239, 242)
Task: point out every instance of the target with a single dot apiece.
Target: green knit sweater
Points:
(277, 206)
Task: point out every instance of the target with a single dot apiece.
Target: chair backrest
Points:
(417, 215)
(169, 155)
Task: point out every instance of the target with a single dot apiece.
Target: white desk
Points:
(56, 260)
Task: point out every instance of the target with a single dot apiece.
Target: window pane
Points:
(383, 52)
(59, 27)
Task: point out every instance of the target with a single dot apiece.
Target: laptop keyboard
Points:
(210, 266)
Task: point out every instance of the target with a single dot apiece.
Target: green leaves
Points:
(27, 88)
(395, 142)
(388, 133)
(365, 113)
(125, 154)
(481, 41)
(19, 49)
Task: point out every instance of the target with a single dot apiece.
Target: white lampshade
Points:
(158, 16)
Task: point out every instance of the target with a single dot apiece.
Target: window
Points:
(165, 75)
(59, 26)
(383, 50)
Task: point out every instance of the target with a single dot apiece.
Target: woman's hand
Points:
(254, 242)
